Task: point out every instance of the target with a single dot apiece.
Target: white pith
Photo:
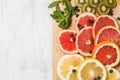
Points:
(80, 51)
(101, 30)
(91, 61)
(81, 1)
(61, 61)
(103, 8)
(82, 15)
(89, 9)
(75, 51)
(117, 50)
(102, 17)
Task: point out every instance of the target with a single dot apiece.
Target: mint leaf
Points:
(53, 4)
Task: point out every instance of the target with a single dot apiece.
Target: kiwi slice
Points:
(102, 9)
(87, 8)
(110, 3)
(94, 3)
(80, 3)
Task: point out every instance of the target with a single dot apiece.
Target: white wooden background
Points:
(25, 40)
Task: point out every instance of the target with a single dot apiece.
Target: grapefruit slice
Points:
(85, 19)
(108, 33)
(68, 63)
(113, 74)
(67, 40)
(103, 21)
(84, 41)
(107, 52)
(91, 69)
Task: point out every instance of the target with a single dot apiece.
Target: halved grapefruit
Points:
(108, 33)
(67, 40)
(85, 42)
(107, 52)
(103, 21)
(84, 20)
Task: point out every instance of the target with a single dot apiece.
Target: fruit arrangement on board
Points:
(92, 51)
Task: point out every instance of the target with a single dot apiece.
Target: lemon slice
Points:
(113, 74)
(72, 75)
(91, 69)
(67, 63)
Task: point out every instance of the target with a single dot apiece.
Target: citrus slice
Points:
(84, 20)
(108, 33)
(84, 41)
(68, 63)
(91, 69)
(113, 74)
(103, 21)
(72, 75)
(107, 52)
(67, 40)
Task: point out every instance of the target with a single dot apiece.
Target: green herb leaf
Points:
(53, 4)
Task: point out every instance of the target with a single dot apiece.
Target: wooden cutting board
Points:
(57, 53)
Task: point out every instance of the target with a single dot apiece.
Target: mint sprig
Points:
(63, 20)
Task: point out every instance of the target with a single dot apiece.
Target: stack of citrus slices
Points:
(92, 50)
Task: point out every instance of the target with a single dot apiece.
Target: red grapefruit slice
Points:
(67, 40)
(85, 19)
(84, 41)
(107, 52)
(108, 33)
(103, 21)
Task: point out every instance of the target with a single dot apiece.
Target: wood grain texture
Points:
(57, 53)
(25, 40)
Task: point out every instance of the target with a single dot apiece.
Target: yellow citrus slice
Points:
(72, 75)
(107, 52)
(91, 69)
(67, 63)
(113, 74)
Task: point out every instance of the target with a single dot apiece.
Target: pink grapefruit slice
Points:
(84, 20)
(67, 40)
(103, 21)
(84, 41)
(107, 52)
(108, 33)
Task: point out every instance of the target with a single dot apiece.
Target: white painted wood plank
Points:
(25, 40)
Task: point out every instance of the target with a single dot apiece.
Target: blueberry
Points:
(73, 39)
(77, 15)
(90, 51)
(75, 8)
(118, 18)
(98, 77)
(79, 26)
(110, 13)
(95, 79)
(90, 21)
(73, 70)
(71, 34)
(62, 12)
(111, 71)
